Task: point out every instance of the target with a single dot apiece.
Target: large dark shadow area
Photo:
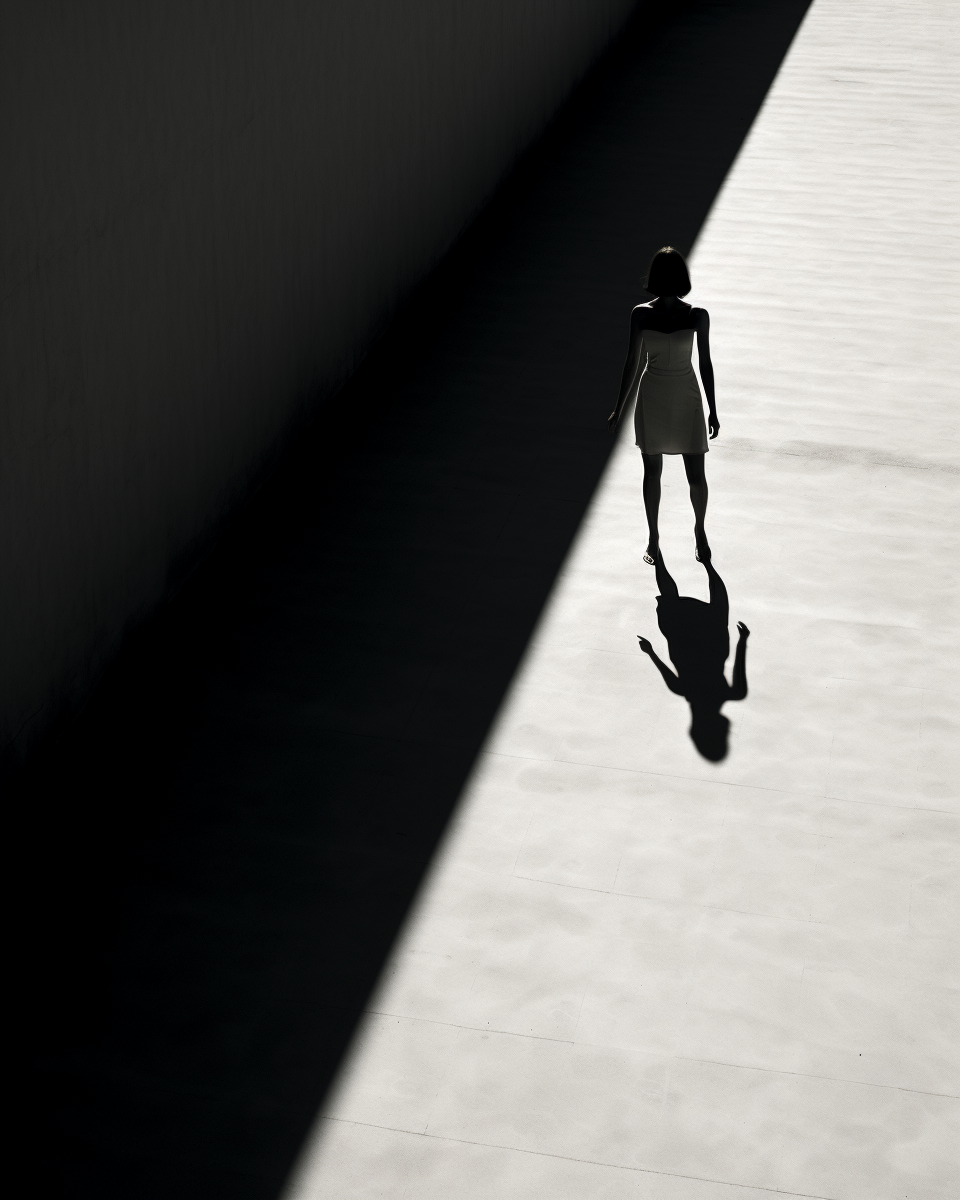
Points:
(218, 854)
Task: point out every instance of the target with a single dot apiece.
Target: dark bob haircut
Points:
(668, 275)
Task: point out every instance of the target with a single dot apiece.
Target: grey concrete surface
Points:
(634, 973)
(208, 211)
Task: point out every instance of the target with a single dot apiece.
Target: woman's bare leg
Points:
(652, 470)
(696, 477)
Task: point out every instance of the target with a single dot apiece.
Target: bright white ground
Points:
(636, 974)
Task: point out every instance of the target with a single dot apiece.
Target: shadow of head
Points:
(709, 732)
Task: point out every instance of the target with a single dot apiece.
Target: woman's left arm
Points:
(706, 368)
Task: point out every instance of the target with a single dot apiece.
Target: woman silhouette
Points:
(669, 414)
(698, 642)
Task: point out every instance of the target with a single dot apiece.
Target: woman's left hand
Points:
(713, 425)
(612, 421)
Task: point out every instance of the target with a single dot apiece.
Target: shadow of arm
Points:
(739, 689)
(671, 680)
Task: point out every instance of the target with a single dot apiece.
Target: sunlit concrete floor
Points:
(636, 973)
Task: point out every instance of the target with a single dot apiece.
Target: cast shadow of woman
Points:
(698, 641)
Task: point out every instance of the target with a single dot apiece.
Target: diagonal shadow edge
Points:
(225, 846)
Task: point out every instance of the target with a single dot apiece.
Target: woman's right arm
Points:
(630, 367)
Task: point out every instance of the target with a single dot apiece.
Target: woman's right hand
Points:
(645, 646)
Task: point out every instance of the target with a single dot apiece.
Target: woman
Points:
(669, 414)
(698, 642)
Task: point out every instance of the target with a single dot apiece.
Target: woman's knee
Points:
(652, 466)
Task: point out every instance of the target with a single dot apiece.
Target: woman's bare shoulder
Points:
(701, 318)
(641, 315)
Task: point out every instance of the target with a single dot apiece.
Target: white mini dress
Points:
(669, 413)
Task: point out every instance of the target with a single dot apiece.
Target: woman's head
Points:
(668, 275)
